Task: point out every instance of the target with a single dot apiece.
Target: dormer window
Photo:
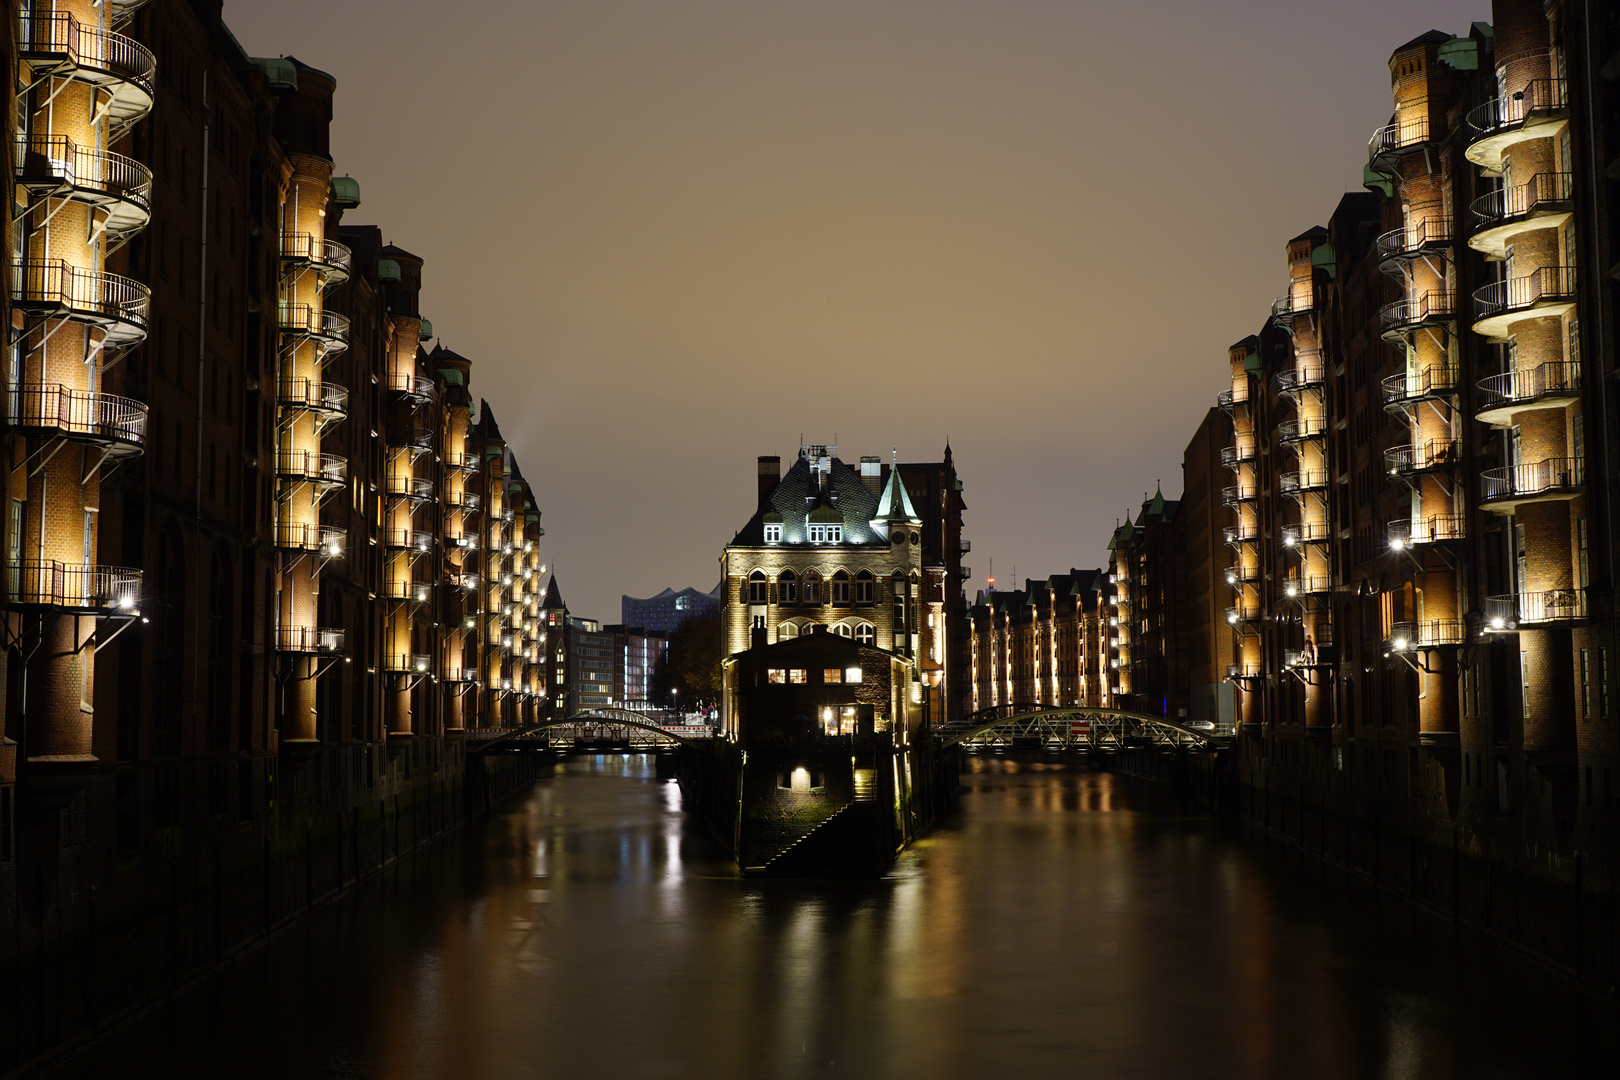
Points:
(826, 534)
(773, 534)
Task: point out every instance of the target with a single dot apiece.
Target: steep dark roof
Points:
(552, 600)
(796, 495)
(1432, 37)
(1311, 233)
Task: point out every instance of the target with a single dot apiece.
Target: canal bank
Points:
(208, 889)
(1061, 921)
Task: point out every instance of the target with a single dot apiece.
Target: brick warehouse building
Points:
(1420, 514)
(265, 560)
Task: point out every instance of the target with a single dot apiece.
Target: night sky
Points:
(675, 236)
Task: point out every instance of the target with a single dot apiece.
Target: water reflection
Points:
(1062, 923)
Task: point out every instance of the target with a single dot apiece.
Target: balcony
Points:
(1244, 672)
(53, 166)
(1306, 374)
(1298, 586)
(312, 467)
(1431, 235)
(1242, 574)
(327, 329)
(1242, 451)
(1241, 533)
(1290, 432)
(1405, 461)
(1288, 307)
(60, 45)
(1544, 608)
(1536, 112)
(1391, 143)
(1226, 399)
(297, 536)
(1433, 634)
(463, 581)
(83, 588)
(414, 386)
(1239, 493)
(407, 663)
(414, 592)
(407, 540)
(461, 499)
(1504, 490)
(1544, 202)
(116, 424)
(1431, 383)
(462, 460)
(1548, 292)
(1244, 612)
(419, 442)
(312, 395)
(1434, 529)
(1545, 386)
(328, 258)
(1294, 536)
(1406, 316)
(309, 639)
(1303, 481)
(415, 488)
(54, 289)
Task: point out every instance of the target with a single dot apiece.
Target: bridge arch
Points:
(1058, 727)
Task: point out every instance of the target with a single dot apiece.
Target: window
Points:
(798, 675)
(863, 587)
(787, 631)
(852, 675)
(812, 588)
(826, 534)
(832, 675)
(758, 588)
(776, 675)
(773, 534)
(840, 588)
(1585, 687)
(841, 630)
(787, 588)
(1524, 683)
(866, 634)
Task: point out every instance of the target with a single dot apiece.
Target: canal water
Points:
(1061, 923)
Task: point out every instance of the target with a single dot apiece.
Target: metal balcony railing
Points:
(1298, 585)
(55, 288)
(1301, 429)
(1306, 374)
(408, 487)
(1288, 306)
(79, 414)
(1422, 457)
(1235, 672)
(1434, 529)
(309, 639)
(410, 384)
(1548, 284)
(1401, 137)
(1413, 239)
(1437, 380)
(61, 44)
(1241, 533)
(1239, 452)
(312, 394)
(1439, 304)
(462, 498)
(1294, 483)
(1244, 612)
(1432, 633)
(1540, 96)
(1235, 396)
(48, 164)
(1509, 611)
(329, 540)
(407, 539)
(1239, 493)
(1311, 532)
(1242, 574)
(312, 466)
(460, 459)
(1554, 379)
(71, 586)
(416, 592)
(1543, 191)
(328, 256)
(304, 320)
(407, 663)
(1552, 476)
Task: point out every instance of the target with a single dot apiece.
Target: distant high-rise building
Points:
(666, 611)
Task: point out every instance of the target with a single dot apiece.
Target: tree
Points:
(693, 667)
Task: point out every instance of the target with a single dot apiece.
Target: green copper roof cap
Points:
(388, 271)
(346, 192)
(895, 503)
(427, 329)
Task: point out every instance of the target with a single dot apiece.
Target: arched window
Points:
(864, 587)
(866, 634)
(812, 587)
(758, 588)
(787, 631)
(840, 589)
(841, 629)
(787, 588)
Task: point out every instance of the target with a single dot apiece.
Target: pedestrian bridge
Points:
(1052, 727)
(624, 728)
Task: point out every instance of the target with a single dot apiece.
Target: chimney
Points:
(872, 474)
(770, 474)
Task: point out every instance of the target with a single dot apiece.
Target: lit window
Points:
(787, 630)
(866, 634)
(773, 534)
(798, 675)
(777, 675)
(841, 630)
(832, 675)
(826, 534)
(852, 674)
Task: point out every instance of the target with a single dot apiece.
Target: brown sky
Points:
(673, 236)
